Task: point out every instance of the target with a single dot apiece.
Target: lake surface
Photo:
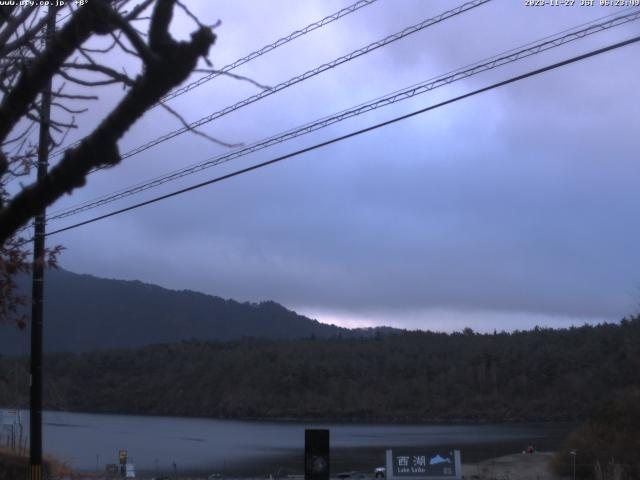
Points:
(89, 441)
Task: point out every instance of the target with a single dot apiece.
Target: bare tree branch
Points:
(195, 130)
(234, 76)
(132, 35)
(13, 23)
(116, 77)
(169, 65)
(75, 96)
(134, 14)
(27, 36)
(93, 17)
(69, 110)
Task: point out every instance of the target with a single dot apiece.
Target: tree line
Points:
(542, 374)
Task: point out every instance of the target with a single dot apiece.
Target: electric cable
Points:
(251, 56)
(404, 94)
(354, 133)
(306, 75)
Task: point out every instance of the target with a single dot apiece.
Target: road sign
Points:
(423, 464)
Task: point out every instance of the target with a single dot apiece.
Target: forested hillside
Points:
(541, 374)
(84, 313)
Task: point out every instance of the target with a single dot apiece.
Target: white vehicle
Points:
(380, 472)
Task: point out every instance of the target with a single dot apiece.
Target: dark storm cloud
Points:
(519, 202)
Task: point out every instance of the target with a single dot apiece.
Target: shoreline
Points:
(517, 466)
(404, 420)
(514, 466)
(257, 449)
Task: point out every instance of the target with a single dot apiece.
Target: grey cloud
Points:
(519, 202)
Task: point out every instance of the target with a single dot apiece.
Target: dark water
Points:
(89, 441)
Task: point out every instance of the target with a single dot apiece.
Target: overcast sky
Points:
(511, 209)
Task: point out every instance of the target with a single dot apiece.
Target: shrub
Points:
(608, 445)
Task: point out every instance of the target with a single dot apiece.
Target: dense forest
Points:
(542, 374)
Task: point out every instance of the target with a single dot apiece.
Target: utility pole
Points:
(573, 454)
(37, 289)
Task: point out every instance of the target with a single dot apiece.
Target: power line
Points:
(251, 56)
(355, 133)
(309, 74)
(418, 89)
(305, 76)
(267, 48)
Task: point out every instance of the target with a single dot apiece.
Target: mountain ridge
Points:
(84, 312)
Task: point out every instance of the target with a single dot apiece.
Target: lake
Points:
(196, 445)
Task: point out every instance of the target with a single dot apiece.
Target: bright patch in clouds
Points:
(439, 320)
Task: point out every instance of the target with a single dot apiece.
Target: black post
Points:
(37, 292)
(316, 454)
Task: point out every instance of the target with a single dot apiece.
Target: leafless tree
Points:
(71, 59)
